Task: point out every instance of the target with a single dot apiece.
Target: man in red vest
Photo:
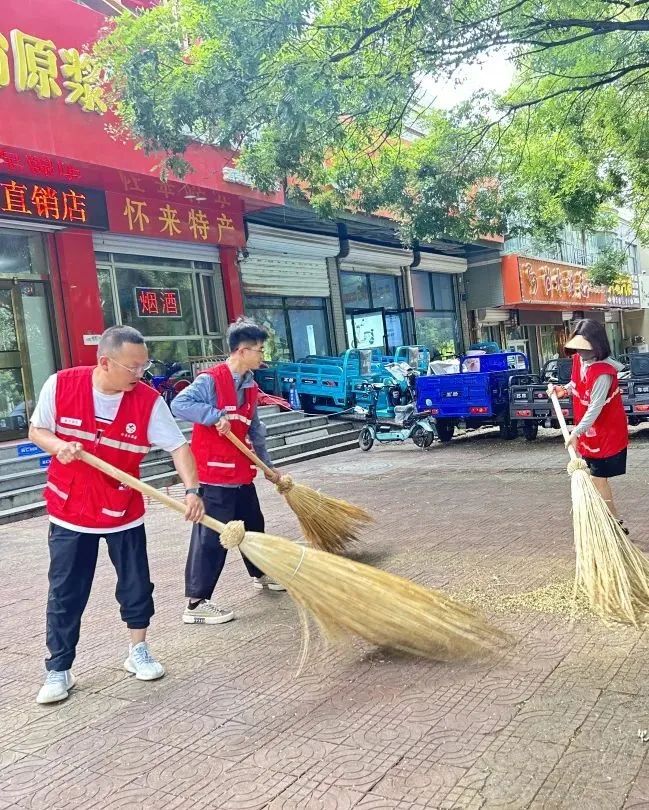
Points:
(108, 411)
(221, 400)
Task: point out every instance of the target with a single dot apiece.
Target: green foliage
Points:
(321, 92)
(607, 269)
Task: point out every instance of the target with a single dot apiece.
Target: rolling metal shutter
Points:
(268, 274)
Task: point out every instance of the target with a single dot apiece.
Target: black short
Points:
(607, 467)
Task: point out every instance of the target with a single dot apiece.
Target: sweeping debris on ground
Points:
(329, 524)
(347, 597)
(555, 598)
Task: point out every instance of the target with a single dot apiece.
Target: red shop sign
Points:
(56, 203)
(163, 219)
(157, 302)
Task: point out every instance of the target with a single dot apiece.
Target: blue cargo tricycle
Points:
(478, 395)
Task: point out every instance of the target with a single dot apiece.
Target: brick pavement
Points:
(553, 724)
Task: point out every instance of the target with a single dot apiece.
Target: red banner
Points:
(164, 219)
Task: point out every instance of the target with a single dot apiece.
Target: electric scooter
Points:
(407, 423)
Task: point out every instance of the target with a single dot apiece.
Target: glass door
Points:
(400, 328)
(26, 352)
(14, 384)
(366, 329)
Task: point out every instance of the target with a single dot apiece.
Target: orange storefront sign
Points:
(552, 284)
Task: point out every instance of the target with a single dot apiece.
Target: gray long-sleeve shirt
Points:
(598, 395)
(197, 403)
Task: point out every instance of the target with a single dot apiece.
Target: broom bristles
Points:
(348, 597)
(610, 571)
(329, 524)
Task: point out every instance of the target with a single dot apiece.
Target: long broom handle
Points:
(248, 452)
(562, 424)
(145, 489)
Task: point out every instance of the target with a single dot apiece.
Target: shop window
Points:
(437, 331)
(106, 296)
(384, 290)
(422, 293)
(355, 290)
(22, 253)
(297, 326)
(208, 299)
(370, 291)
(139, 309)
(180, 312)
(435, 316)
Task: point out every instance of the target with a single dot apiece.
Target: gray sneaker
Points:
(142, 664)
(207, 612)
(266, 582)
(56, 687)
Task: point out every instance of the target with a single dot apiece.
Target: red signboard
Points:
(157, 302)
(52, 102)
(549, 283)
(138, 215)
(58, 204)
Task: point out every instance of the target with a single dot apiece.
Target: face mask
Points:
(586, 354)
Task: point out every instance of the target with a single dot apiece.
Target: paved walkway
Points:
(552, 725)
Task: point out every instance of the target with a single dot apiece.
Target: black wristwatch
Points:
(195, 491)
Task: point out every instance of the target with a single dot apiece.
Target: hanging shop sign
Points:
(625, 292)
(157, 302)
(55, 203)
(163, 219)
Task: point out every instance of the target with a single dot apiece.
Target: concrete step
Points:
(282, 439)
(292, 437)
(316, 442)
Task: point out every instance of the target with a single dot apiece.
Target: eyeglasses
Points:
(248, 349)
(138, 371)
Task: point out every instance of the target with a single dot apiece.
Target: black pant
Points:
(206, 556)
(73, 559)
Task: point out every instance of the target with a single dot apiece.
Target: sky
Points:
(494, 74)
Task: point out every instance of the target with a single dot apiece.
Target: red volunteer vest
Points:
(610, 433)
(77, 493)
(217, 459)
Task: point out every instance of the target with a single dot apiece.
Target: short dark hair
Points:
(595, 333)
(243, 330)
(115, 337)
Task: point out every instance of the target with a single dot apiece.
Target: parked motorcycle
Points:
(407, 423)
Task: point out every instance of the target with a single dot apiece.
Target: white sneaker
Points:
(207, 612)
(56, 687)
(142, 664)
(266, 582)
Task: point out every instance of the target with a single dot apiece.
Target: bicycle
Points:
(171, 383)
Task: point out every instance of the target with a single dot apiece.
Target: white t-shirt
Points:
(163, 432)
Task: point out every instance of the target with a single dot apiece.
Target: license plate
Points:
(451, 394)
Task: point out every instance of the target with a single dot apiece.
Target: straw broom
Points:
(347, 597)
(329, 524)
(610, 570)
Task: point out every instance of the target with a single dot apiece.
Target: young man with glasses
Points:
(220, 401)
(108, 411)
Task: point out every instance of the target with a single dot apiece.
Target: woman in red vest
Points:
(219, 401)
(601, 432)
(108, 411)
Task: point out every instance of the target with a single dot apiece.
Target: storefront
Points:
(546, 298)
(89, 234)
(285, 282)
(375, 304)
